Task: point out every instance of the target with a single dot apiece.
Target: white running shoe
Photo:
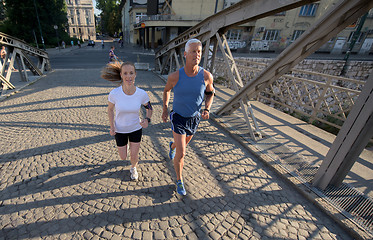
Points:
(134, 174)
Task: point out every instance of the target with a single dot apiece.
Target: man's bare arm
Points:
(171, 82)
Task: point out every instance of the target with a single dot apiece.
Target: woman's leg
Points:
(134, 153)
(122, 152)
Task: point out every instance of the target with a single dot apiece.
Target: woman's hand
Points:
(112, 132)
(144, 123)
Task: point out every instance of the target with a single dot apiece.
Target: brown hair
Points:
(112, 71)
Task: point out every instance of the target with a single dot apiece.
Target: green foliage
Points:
(110, 15)
(21, 20)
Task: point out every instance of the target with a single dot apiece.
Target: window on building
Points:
(297, 34)
(76, 2)
(72, 20)
(359, 39)
(87, 21)
(271, 35)
(73, 30)
(234, 34)
(140, 15)
(308, 10)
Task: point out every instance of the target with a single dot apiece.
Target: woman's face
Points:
(128, 74)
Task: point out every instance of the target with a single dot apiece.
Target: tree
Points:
(21, 20)
(110, 15)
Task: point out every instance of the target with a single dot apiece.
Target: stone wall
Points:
(358, 70)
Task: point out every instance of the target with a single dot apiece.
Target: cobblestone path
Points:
(61, 176)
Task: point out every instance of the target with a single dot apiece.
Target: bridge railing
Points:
(23, 56)
(313, 96)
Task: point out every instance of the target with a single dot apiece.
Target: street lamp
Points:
(58, 41)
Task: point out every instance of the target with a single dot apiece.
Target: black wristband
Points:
(206, 110)
(149, 120)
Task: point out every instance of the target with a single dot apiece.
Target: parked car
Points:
(91, 43)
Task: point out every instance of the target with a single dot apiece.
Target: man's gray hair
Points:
(191, 41)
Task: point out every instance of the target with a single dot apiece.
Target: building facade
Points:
(81, 19)
(272, 33)
(276, 32)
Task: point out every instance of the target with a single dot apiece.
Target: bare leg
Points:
(122, 152)
(180, 142)
(134, 153)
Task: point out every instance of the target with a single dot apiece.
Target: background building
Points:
(275, 33)
(81, 18)
(271, 34)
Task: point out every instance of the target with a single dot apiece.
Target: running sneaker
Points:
(180, 189)
(134, 174)
(172, 152)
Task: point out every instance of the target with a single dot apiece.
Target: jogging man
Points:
(190, 85)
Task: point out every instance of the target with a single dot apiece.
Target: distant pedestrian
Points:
(2, 61)
(79, 44)
(191, 85)
(102, 44)
(72, 43)
(63, 44)
(124, 106)
(3, 54)
(112, 56)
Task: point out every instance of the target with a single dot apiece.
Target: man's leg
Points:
(187, 140)
(180, 144)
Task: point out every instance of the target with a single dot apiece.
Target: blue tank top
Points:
(189, 93)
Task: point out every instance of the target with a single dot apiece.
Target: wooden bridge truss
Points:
(22, 54)
(211, 32)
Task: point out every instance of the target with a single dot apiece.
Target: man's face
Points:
(194, 53)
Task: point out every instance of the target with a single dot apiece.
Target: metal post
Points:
(58, 41)
(355, 35)
(41, 34)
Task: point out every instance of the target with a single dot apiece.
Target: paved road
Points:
(61, 177)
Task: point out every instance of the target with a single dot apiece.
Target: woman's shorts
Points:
(184, 125)
(122, 138)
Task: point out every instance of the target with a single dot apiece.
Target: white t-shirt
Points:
(127, 109)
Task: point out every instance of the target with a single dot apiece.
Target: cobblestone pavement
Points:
(61, 176)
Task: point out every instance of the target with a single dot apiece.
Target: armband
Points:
(209, 93)
(149, 120)
(148, 106)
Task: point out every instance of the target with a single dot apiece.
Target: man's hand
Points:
(165, 115)
(205, 114)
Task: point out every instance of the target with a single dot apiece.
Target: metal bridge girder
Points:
(239, 13)
(350, 141)
(20, 52)
(335, 20)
